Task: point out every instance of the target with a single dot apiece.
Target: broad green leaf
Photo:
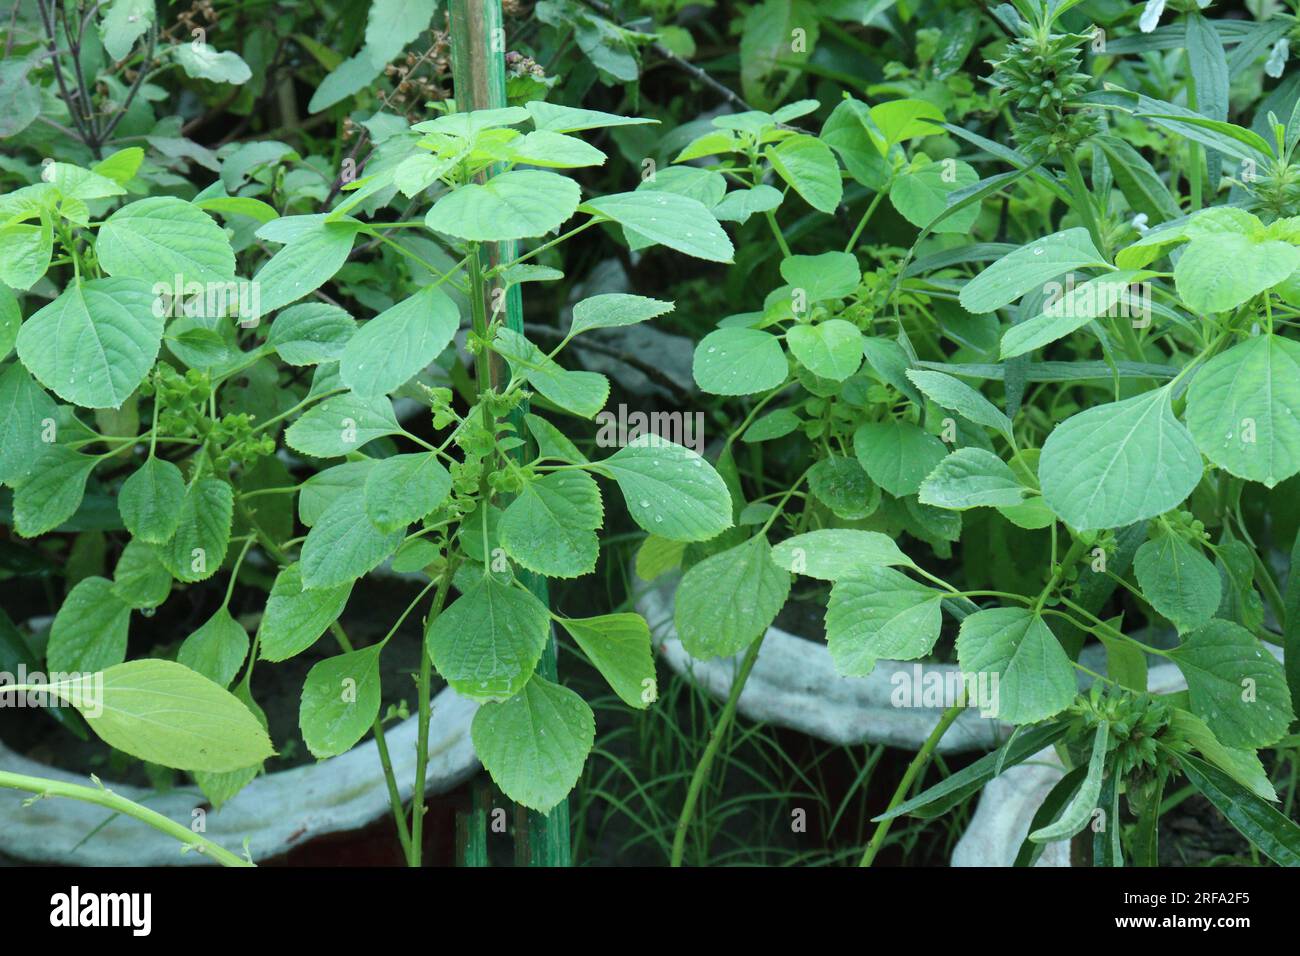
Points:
(949, 392)
(971, 478)
(28, 248)
(1236, 686)
(728, 600)
(836, 553)
(121, 165)
(140, 579)
(311, 333)
(570, 119)
(150, 501)
(615, 309)
(1219, 273)
(165, 713)
(390, 26)
(28, 416)
(521, 204)
(811, 170)
(89, 631)
(1244, 766)
(582, 393)
(1276, 835)
(830, 349)
(535, 743)
(341, 424)
(162, 238)
(204, 62)
(20, 101)
(921, 193)
(1215, 221)
(1076, 816)
(618, 645)
(1030, 267)
(740, 204)
(399, 342)
(320, 490)
(305, 263)
(771, 426)
(488, 641)
(95, 343)
(52, 491)
(550, 527)
(345, 544)
(1242, 405)
(735, 361)
(351, 76)
(1119, 463)
(1108, 294)
(677, 222)
(340, 701)
(553, 151)
(295, 618)
(551, 442)
(198, 547)
(897, 121)
(1034, 677)
(11, 318)
(217, 649)
(879, 613)
(897, 454)
(831, 275)
(404, 488)
(842, 485)
(670, 490)
(1178, 580)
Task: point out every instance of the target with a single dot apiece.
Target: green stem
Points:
(918, 763)
(1083, 201)
(701, 775)
(862, 223)
(106, 798)
(422, 736)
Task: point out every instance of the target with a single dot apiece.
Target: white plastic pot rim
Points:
(273, 814)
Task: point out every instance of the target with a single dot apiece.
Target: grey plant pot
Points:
(274, 813)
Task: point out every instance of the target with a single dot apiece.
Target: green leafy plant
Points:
(1126, 475)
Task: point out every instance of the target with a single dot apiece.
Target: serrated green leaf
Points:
(342, 424)
(1241, 409)
(161, 238)
(488, 641)
(340, 701)
(897, 454)
(678, 222)
(1235, 685)
(725, 602)
(198, 547)
(1034, 677)
(311, 333)
(90, 629)
(404, 488)
(831, 349)
(670, 490)
(1178, 580)
(398, 343)
(550, 527)
(583, 393)
(345, 544)
(971, 478)
(150, 501)
(295, 618)
(521, 204)
(535, 744)
(1119, 463)
(618, 645)
(52, 491)
(735, 361)
(95, 343)
(832, 554)
(877, 613)
(217, 649)
(615, 309)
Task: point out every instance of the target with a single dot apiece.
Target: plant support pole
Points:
(479, 75)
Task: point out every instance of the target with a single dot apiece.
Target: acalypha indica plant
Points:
(1131, 467)
(500, 500)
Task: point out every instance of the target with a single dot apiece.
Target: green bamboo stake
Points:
(479, 74)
